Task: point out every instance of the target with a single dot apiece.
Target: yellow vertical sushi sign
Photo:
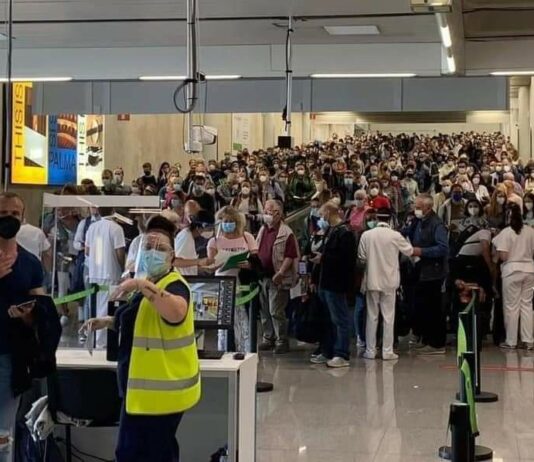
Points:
(28, 157)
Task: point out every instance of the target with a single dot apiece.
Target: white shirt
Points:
(520, 250)
(33, 240)
(103, 238)
(184, 247)
(79, 238)
(482, 193)
(473, 245)
(380, 248)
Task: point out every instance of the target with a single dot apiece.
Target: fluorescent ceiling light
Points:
(37, 79)
(163, 77)
(512, 73)
(352, 30)
(223, 77)
(360, 76)
(451, 64)
(445, 33)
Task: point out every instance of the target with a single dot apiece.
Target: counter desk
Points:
(226, 414)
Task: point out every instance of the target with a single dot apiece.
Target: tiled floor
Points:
(388, 411)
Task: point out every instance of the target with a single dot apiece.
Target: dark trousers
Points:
(336, 339)
(430, 317)
(148, 438)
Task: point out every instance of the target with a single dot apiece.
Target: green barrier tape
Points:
(469, 389)
(243, 300)
(462, 339)
(79, 295)
(243, 289)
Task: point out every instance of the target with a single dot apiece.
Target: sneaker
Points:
(338, 362)
(505, 346)
(265, 346)
(281, 349)
(319, 359)
(360, 343)
(368, 355)
(529, 346)
(390, 356)
(417, 346)
(430, 351)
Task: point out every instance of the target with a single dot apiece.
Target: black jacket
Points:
(33, 349)
(338, 261)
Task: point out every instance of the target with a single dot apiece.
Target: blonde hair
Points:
(232, 214)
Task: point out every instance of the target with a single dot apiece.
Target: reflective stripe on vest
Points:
(161, 344)
(163, 385)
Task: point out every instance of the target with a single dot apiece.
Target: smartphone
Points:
(303, 268)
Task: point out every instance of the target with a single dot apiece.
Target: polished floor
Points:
(388, 411)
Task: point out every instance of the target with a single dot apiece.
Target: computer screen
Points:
(213, 301)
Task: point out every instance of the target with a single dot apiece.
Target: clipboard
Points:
(234, 260)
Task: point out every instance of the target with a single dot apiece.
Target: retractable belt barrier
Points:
(80, 295)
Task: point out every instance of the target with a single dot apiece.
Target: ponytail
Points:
(516, 218)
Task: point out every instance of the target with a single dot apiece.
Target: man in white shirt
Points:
(187, 260)
(34, 240)
(105, 251)
(379, 248)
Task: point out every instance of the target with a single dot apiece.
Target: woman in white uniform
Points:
(515, 245)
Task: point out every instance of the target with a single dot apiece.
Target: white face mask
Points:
(473, 211)
(394, 178)
(263, 178)
(501, 200)
(359, 202)
(507, 168)
(336, 200)
(374, 192)
(207, 234)
(446, 189)
(245, 191)
(268, 219)
(418, 213)
(529, 206)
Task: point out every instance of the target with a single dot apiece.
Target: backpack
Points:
(457, 244)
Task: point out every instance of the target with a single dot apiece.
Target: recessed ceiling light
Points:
(37, 79)
(163, 77)
(352, 30)
(512, 73)
(223, 77)
(361, 76)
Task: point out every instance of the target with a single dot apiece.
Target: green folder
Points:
(234, 260)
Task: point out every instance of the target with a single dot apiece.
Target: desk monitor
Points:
(213, 301)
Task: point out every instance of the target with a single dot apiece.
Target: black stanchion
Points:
(460, 449)
(261, 387)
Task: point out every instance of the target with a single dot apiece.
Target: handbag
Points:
(308, 320)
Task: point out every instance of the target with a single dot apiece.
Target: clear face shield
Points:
(154, 257)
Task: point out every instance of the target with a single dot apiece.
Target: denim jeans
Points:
(8, 404)
(360, 317)
(336, 341)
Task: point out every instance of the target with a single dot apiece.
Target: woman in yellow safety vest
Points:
(158, 368)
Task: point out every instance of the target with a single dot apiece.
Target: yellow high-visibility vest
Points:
(164, 374)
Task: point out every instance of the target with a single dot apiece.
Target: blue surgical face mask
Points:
(153, 263)
(228, 227)
(371, 224)
(323, 224)
(457, 196)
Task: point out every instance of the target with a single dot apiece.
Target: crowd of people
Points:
(443, 202)
(402, 228)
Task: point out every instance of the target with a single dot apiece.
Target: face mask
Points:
(177, 186)
(198, 190)
(147, 172)
(501, 200)
(446, 189)
(529, 206)
(462, 170)
(212, 168)
(473, 211)
(207, 234)
(531, 174)
(476, 180)
(394, 178)
(336, 200)
(300, 172)
(348, 181)
(323, 224)
(507, 168)
(498, 168)
(457, 196)
(409, 174)
(374, 173)
(245, 191)
(371, 224)
(418, 213)
(106, 181)
(374, 192)
(359, 202)
(9, 227)
(263, 178)
(268, 219)
(118, 179)
(228, 227)
(153, 263)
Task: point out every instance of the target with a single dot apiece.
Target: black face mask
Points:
(147, 172)
(9, 227)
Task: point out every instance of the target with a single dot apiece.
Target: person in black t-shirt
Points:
(147, 178)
